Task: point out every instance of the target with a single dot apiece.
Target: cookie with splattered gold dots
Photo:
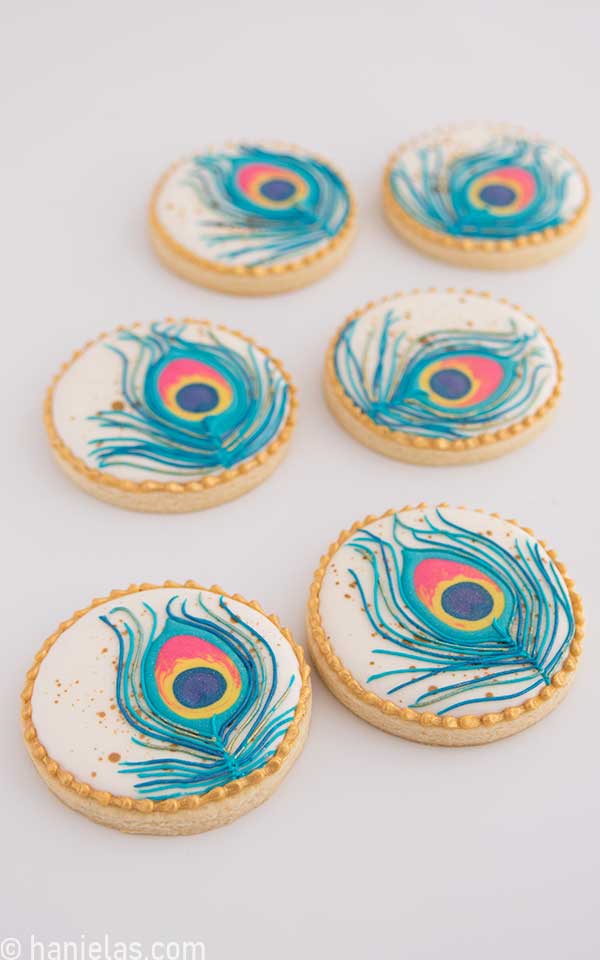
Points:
(444, 625)
(170, 416)
(252, 218)
(441, 377)
(486, 196)
(166, 710)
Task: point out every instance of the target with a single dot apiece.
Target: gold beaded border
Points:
(154, 486)
(276, 269)
(426, 718)
(104, 797)
(441, 443)
(467, 244)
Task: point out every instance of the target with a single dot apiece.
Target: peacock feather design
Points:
(264, 206)
(190, 408)
(509, 188)
(205, 687)
(461, 614)
(446, 383)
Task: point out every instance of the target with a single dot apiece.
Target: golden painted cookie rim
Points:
(469, 245)
(277, 269)
(211, 480)
(441, 444)
(428, 718)
(40, 755)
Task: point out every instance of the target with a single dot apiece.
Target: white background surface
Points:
(373, 847)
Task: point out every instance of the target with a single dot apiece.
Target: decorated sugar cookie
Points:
(442, 377)
(252, 218)
(166, 710)
(486, 196)
(444, 625)
(170, 416)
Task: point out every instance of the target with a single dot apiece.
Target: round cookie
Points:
(486, 196)
(442, 377)
(170, 416)
(252, 218)
(444, 625)
(166, 710)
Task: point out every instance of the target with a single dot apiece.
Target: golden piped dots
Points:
(450, 723)
(430, 720)
(468, 723)
(491, 719)
(407, 713)
(233, 788)
(512, 713)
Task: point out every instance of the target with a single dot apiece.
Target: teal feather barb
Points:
(458, 615)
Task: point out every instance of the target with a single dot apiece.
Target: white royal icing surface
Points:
(93, 383)
(415, 319)
(74, 706)
(365, 653)
(204, 228)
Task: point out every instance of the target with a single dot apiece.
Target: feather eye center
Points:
(270, 186)
(195, 678)
(277, 189)
(199, 687)
(462, 380)
(497, 195)
(505, 191)
(451, 383)
(197, 397)
(457, 594)
(467, 600)
(190, 389)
